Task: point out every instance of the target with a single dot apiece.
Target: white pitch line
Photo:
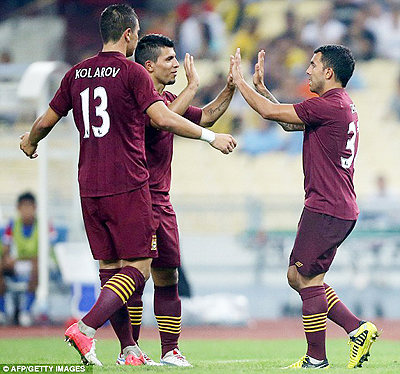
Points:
(230, 361)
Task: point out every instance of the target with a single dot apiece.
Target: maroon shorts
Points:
(167, 237)
(318, 237)
(120, 226)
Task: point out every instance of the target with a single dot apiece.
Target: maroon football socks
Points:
(315, 308)
(114, 294)
(135, 308)
(167, 309)
(339, 313)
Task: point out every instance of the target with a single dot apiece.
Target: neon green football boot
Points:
(305, 363)
(360, 344)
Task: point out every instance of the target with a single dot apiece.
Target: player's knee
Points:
(164, 277)
(293, 278)
(142, 265)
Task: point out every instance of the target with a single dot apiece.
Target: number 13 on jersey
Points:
(101, 111)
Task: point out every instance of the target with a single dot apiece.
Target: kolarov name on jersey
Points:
(99, 72)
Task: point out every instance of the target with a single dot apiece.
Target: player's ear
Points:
(127, 34)
(329, 73)
(149, 66)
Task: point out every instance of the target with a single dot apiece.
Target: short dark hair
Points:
(149, 47)
(340, 59)
(115, 19)
(26, 197)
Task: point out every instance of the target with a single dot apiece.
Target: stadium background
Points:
(237, 214)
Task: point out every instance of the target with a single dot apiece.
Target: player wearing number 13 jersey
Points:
(331, 131)
(109, 95)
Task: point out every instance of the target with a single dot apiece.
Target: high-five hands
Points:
(258, 76)
(229, 80)
(236, 63)
(191, 72)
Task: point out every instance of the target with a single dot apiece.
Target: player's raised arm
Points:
(258, 81)
(216, 108)
(267, 109)
(41, 127)
(164, 119)
(182, 102)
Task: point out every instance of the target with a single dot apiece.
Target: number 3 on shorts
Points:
(101, 111)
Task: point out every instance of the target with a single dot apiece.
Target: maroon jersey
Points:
(329, 151)
(159, 148)
(109, 95)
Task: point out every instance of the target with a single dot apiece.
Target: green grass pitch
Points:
(207, 356)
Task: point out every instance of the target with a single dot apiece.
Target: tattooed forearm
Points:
(268, 95)
(286, 126)
(216, 108)
(291, 126)
(222, 106)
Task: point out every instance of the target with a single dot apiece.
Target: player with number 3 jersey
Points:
(331, 132)
(329, 151)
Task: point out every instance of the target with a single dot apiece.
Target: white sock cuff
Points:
(86, 330)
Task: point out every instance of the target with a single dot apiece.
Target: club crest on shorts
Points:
(298, 264)
(154, 243)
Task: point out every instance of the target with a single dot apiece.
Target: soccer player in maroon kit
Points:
(156, 53)
(330, 125)
(110, 96)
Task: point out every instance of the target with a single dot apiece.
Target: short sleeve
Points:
(142, 87)
(192, 113)
(313, 112)
(62, 101)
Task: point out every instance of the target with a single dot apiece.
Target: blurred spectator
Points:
(385, 26)
(345, 10)
(19, 259)
(286, 61)
(359, 39)
(192, 36)
(233, 13)
(202, 33)
(292, 26)
(324, 30)
(247, 38)
(275, 61)
(158, 23)
(216, 27)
